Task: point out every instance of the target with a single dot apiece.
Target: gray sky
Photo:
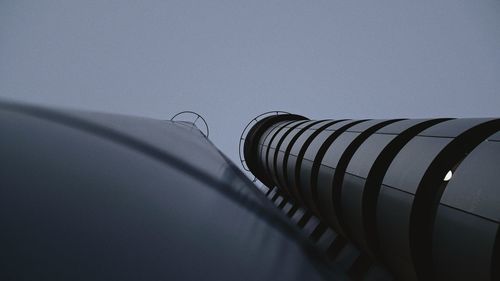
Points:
(232, 60)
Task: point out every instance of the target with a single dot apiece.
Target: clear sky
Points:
(232, 60)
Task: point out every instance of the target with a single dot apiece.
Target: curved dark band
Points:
(297, 189)
(287, 154)
(252, 143)
(317, 164)
(377, 174)
(340, 170)
(427, 197)
(271, 141)
(274, 171)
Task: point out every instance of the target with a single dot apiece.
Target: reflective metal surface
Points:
(418, 198)
(89, 196)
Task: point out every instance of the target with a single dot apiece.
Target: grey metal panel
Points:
(363, 126)
(344, 161)
(81, 203)
(298, 150)
(361, 164)
(265, 141)
(399, 127)
(267, 135)
(279, 153)
(480, 170)
(376, 176)
(272, 193)
(352, 209)
(324, 199)
(322, 123)
(304, 186)
(495, 137)
(354, 185)
(393, 227)
(311, 224)
(337, 148)
(402, 165)
(314, 147)
(324, 185)
(416, 172)
(287, 208)
(296, 131)
(309, 169)
(362, 160)
(311, 178)
(304, 183)
(279, 201)
(299, 143)
(277, 163)
(249, 154)
(453, 127)
(463, 246)
(284, 151)
(269, 142)
(291, 164)
(394, 205)
(297, 216)
(287, 154)
(271, 150)
(326, 239)
(412, 161)
(467, 221)
(153, 132)
(303, 137)
(306, 124)
(280, 156)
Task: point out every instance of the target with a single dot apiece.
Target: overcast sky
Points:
(232, 60)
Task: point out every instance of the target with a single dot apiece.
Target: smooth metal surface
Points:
(88, 196)
(419, 197)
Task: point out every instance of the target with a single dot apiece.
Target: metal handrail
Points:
(198, 117)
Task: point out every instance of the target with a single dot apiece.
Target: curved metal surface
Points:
(287, 154)
(106, 197)
(252, 143)
(297, 155)
(344, 160)
(274, 154)
(283, 152)
(417, 195)
(357, 195)
(467, 219)
(408, 201)
(248, 126)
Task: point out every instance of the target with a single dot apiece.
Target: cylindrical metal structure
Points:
(419, 196)
(91, 196)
